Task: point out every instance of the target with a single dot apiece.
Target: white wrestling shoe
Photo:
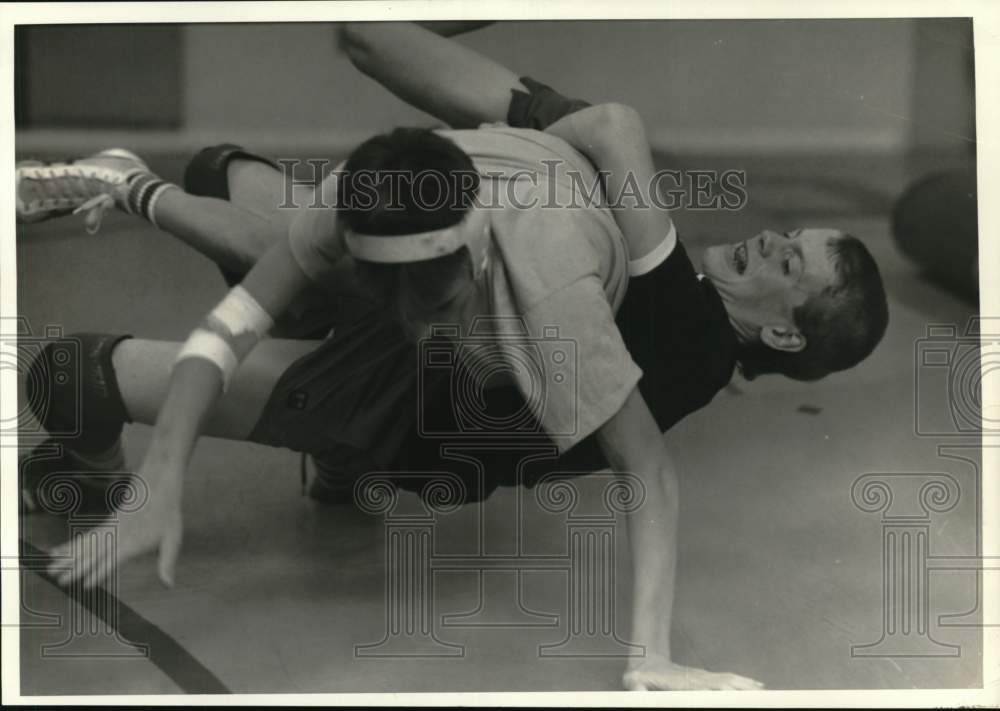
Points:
(88, 185)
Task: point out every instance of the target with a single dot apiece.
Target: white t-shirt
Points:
(557, 274)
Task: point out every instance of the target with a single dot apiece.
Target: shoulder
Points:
(666, 275)
(314, 235)
(654, 259)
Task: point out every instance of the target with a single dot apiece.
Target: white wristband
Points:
(212, 347)
(240, 313)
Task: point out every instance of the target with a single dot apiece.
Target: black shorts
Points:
(356, 392)
(353, 403)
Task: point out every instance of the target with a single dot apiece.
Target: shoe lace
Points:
(94, 210)
(71, 186)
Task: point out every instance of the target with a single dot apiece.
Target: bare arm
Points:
(632, 443)
(440, 76)
(273, 282)
(612, 136)
(196, 384)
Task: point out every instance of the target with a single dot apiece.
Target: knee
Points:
(618, 122)
(206, 173)
(70, 375)
(52, 385)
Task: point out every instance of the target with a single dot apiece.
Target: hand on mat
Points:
(157, 524)
(655, 674)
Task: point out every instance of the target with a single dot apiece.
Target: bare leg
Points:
(442, 77)
(230, 236)
(234, 233)
(261, 189)
(143, 371)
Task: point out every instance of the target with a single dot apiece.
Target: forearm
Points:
(442, 77)
(195, 386)
(209, 358)
(228, 235)
(613, 137)
(653, 542)
(632, 443)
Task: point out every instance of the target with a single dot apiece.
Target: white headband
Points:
(397, 249)
(421, 246)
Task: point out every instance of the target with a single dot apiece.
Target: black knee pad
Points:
(205, 174)
(540, 108)
(73, 391)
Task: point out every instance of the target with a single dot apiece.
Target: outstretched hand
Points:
(661, 675)
(156, 525)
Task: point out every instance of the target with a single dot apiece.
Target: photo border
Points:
(986, 28)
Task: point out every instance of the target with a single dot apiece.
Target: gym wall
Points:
(782, 85)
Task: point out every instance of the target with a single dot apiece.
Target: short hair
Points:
(841, 325)
(408, 181)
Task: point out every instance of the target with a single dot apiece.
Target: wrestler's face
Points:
(763, 279)
(451, 288)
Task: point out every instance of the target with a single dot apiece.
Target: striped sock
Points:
(144, 190)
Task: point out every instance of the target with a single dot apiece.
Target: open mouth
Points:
(740, 257)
